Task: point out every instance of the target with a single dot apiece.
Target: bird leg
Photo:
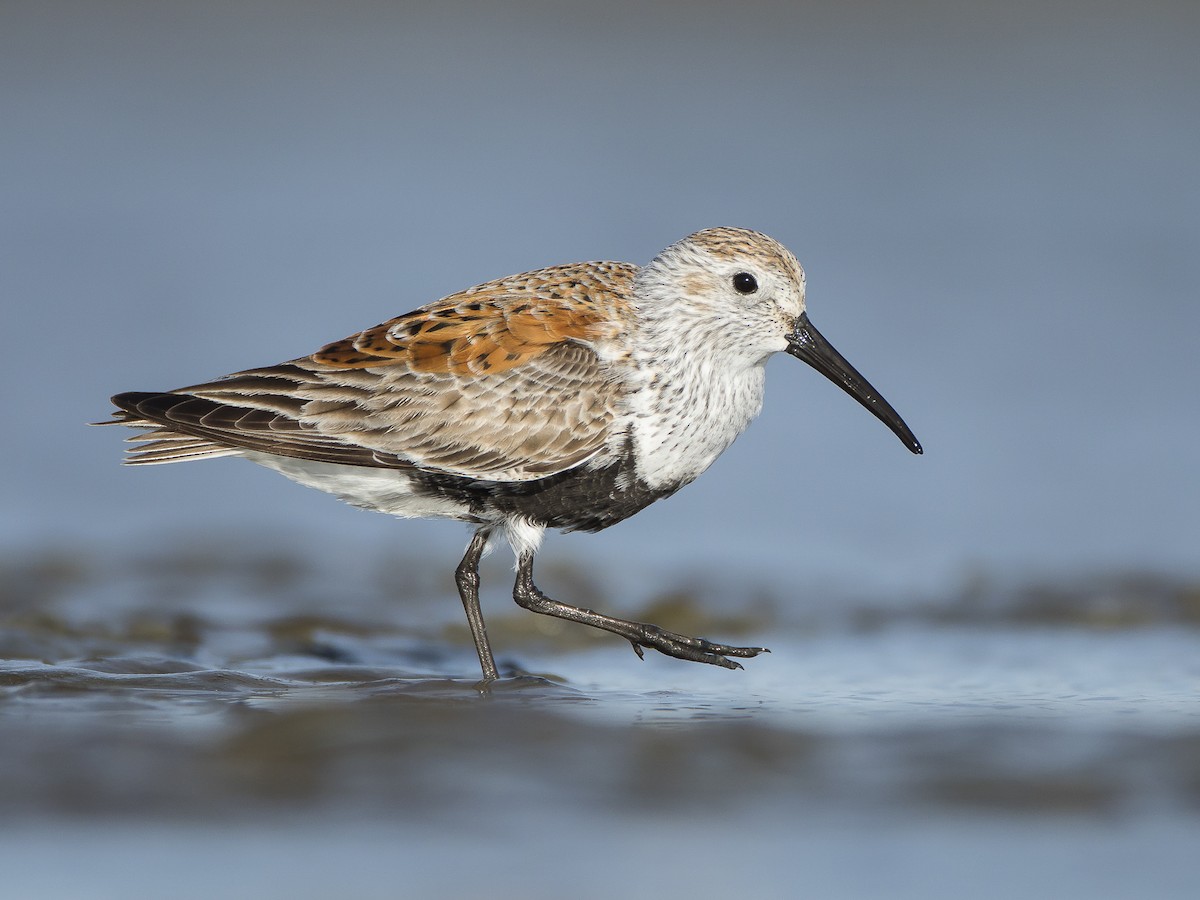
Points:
(467, 578)
(529, 596)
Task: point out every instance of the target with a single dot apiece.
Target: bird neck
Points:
(691, 402)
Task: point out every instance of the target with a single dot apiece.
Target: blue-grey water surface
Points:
(208, 723)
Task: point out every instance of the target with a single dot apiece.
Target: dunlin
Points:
(569, 397)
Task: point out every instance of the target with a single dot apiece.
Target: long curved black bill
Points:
(807, 345)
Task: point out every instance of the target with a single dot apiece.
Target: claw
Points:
(718, 660)
(637, 648)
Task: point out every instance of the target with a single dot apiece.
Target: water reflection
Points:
(205, 689)
(987, 709)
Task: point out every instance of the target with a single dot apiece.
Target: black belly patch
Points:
(582, 499)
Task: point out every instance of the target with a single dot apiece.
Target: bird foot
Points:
(693, 649)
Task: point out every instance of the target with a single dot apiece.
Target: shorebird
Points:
(569, 397)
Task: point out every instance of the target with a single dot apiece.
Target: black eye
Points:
(745, 283)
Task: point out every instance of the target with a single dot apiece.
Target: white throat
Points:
(693, 399)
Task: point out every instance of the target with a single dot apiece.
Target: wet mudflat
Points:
(225, 724)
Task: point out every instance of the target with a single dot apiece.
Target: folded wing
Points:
(502, 382)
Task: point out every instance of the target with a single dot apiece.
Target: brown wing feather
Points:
(500, 382)
(496, 326)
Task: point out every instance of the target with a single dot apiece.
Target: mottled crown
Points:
(729, 243)
(733, 244)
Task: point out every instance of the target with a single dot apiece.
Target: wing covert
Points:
(502, 382)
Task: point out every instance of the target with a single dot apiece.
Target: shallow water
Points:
(210, 730)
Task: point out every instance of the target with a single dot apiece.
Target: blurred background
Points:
(998, 207)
